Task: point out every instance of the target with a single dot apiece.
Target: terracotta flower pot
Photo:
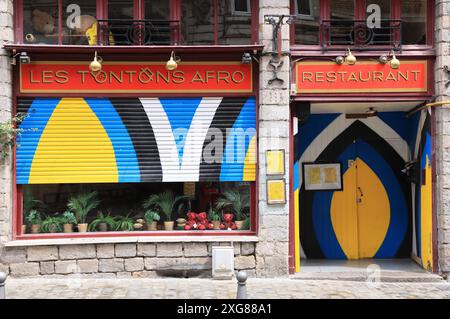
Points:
(168, 225)
(239, 224)
(68, 228)
(82, 228)
(216, 224)
(35, 229)
(152, 226)
(24, 229)
(103, 227)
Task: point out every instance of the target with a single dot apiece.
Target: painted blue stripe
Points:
(40, 111)
(398, 208)
(397, 121)
(321, 211)
(126, 159)
(296, 176)
(238, 140)
(180, 112)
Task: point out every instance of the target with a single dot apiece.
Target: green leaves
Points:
(165, 202)
(108, 220)
(151, 216)
(68, 218)
(82, 204)
(52, 224)
(33, 217)
(124, 223)
(8, 132)
(236, 201)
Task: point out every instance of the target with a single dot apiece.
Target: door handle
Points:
(361, 194)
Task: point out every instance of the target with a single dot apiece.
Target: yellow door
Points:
(360, 213)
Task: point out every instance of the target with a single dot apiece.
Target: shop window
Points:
(40, 21)
(136, 207)
(132, 22)
(383, 32)
(241, 6)
(161, 28)
(197, 20)
(234, 22)
(79, 19)
(414, 21)
(308, 21)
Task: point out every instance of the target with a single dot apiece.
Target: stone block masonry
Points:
(442, 136)
(143, 260)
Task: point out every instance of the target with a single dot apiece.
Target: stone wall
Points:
(122, 260)
(6, 35)
(442, 137)
(272, 248)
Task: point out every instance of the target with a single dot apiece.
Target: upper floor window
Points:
(360, 23)
(136, 22)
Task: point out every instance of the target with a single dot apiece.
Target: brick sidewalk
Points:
(207, 288)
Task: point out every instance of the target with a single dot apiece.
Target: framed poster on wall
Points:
(322, 176)
(276, 191)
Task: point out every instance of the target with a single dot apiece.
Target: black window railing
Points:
(358, 34)
(138, 32)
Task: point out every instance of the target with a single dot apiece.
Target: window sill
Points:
(60, 239)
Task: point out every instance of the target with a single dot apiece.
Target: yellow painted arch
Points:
(74, 148)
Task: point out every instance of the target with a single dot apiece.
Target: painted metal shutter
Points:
(92, 140)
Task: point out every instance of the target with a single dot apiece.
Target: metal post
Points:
(2, 285)
(241, 289)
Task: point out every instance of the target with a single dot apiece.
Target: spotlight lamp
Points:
(339, 60)
(350, 59)
(383, 59)
(173, 62)
(246, 58)
(96, 65)
(394, 63)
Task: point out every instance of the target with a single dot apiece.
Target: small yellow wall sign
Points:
(275, 162)
(276, 191)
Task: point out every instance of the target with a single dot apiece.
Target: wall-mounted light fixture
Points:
(339, 60)
(383, 59)
(173, 62)
(23, 58)
(96, 65)
(394, 63)
(350, 59)
(246, 58)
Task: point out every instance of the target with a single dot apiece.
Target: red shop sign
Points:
(363, 77)
(136, 77)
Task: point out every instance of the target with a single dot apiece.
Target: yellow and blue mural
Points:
(92, 140)
(378, 212)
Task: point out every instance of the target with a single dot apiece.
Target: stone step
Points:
(385, 276)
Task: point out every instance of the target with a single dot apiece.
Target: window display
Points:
(57, 208)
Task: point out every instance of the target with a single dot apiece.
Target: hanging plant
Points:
(9, 130)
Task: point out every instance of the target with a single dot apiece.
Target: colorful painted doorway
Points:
(360, 212)
(383, 209)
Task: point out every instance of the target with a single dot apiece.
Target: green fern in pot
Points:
(82, 205)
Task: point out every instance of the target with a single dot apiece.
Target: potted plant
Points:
(34, 219)
(124, 223)
(151, 218)
(102, 223)
(51, 224)
(166, 202)
(235, 201)
(82, 205)
(214, 217)
(68, 219)
(29, 203)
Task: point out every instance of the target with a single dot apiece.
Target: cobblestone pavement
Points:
(207, 288)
